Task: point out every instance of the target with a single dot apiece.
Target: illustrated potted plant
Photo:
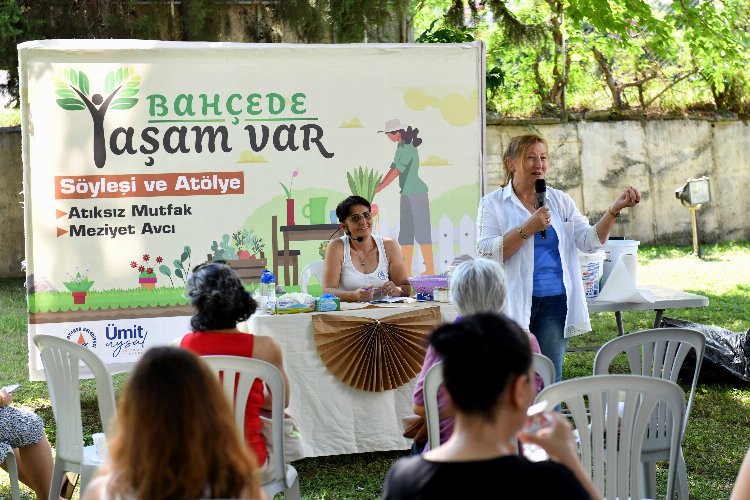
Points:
(79, 285)
(242, 241)
(146, 276)
(257, 245)
(362, 182)
(289, 199)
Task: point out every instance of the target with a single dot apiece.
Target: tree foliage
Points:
(543, 56)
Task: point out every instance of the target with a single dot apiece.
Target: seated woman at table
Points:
(359, 264)
(477, 285)
(221, 302)
(175, 436)
(489, 376)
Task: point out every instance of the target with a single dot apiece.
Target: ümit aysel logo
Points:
(74, 92)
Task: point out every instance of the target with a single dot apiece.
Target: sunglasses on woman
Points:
(358, 217)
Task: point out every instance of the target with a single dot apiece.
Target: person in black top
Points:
(488, 374)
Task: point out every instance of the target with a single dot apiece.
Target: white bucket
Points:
(616, 249)
(592, 266)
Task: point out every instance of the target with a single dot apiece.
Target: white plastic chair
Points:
(61, 359)
(434, 377)
(310, 270)
(12, 466)
(659, 353)
(544, 367)
(647, 403)
(432, 380)
(245, 371)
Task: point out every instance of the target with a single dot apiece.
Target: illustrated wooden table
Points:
(301, 232)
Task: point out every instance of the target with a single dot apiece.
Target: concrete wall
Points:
(593, 162)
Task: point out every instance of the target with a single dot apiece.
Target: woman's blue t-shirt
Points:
(548, 273)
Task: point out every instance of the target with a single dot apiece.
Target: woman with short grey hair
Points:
(477, 286)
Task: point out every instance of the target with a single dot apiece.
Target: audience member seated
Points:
(490, 379)
(360, 266)
(477, 285)
(175, 436)
(23, 431)
(221, 302)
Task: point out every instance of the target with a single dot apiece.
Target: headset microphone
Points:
(359, 239)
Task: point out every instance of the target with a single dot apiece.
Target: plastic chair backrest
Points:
(245, 371)
(615, 470)
(544, 367)
(432, 380)
(310, 270)
(61, 359)
(659, 353)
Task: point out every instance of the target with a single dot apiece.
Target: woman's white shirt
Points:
(502, 211)
(352, 279)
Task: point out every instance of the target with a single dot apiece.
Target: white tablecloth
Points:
(335, 418)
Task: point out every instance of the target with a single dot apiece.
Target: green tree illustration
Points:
(72, 88)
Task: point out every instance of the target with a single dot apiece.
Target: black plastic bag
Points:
(727, 355)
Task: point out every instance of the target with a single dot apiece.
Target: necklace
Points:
(531, 207)
(361, 259)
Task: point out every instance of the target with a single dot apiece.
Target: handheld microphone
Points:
(541, 193)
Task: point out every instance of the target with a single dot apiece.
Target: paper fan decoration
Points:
(375, 355)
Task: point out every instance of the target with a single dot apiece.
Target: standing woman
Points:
(415, 204)
(545, 289)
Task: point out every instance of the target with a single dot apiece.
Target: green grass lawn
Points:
(717, 435)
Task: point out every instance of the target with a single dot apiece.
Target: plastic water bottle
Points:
(268, 291)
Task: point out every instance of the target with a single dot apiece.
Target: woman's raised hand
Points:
(630, 197)
(540, 220)
(557, 439)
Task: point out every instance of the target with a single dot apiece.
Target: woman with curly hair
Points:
(221, 302)
(175, 436)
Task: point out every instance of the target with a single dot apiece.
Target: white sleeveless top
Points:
(351, 278)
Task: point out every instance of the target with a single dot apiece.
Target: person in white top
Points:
(545, 290)
(359, 265)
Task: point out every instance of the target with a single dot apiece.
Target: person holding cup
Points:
(361, 266)
(488, 373)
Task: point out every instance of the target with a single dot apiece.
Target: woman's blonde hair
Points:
(517, 148)
(176, 435)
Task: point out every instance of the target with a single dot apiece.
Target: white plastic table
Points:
(664, 298)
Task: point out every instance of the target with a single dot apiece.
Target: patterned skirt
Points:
(18, 428)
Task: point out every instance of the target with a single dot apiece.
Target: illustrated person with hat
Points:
(415, 204)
